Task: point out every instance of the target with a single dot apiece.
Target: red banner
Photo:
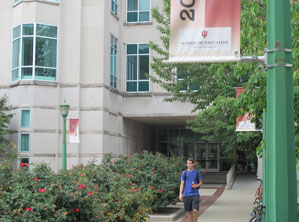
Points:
(74, 131)
(244, 123)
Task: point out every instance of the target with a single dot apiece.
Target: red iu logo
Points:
(204, 33)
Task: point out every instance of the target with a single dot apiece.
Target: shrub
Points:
(127, 189)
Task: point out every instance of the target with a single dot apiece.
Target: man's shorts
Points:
(191, 203)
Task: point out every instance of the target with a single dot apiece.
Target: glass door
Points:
(207, 155)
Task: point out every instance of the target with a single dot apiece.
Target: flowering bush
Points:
(123, 190)
(156, 172)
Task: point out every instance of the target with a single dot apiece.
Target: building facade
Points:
(94, 55)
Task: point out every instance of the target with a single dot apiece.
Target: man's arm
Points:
(199, 184)
(181, 190)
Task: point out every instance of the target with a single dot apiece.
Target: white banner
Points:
(204, 31)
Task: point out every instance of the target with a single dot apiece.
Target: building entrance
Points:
(184, 143)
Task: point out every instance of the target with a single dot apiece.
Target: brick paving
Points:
(207, 201)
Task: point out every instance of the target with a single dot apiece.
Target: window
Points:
(24, 142)
(25, 118)
(34, 52)
(137, 68)
(184, 81)
(138, 10)
(114, 6)
(15, 1)
(113, 62)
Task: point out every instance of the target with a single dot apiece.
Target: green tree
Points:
(214, 97)
(7, 148)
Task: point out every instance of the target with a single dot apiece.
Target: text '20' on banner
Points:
(204, 31)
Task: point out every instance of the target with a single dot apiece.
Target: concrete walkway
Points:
(233, 205)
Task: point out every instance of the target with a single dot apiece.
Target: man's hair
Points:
(191, 160)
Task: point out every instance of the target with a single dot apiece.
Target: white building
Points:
(93, 54)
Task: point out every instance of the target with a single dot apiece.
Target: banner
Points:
(74, 131)
(204, 31)
(243, 122)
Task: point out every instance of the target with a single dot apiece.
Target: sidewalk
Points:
(232, 205)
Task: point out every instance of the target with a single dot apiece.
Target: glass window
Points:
(25, 118)
(114, 6)
(24, 142)
(137, 68)
(113, 62)
(24, 160)
(138, 11)
(184, 81)
(43, 65)
(15, 1)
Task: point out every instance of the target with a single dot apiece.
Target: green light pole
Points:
(64, 109)
(281, 183)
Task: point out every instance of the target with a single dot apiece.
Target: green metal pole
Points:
(64, 144)
(281, 190)
(264, 166)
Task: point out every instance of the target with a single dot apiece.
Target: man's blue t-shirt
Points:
(191, 176)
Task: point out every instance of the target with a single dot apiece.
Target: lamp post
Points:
(64, 109)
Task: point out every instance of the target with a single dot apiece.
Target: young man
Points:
(190, 187)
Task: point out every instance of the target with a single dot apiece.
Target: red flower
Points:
(28, 209)
(152, 187)
(81, 186)
(77, 209)
(36, 179)
(154, 171)
(180, 173)
(128, 175)
(137, 188)
(81, 175)
(160, 190)
(42, 190)
(26, 164)
(132, 191)
(132, 183)
(133, 170)
(21, 165)
(90, 193)
(96, 186)
(154, 168)
(141, 211)
(121, 177)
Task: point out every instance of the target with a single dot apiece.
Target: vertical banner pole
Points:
(281, 183)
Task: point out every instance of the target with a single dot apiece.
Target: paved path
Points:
(228, 205)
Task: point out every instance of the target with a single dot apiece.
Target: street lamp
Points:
(64, 109)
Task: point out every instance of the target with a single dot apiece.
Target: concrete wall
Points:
(107, 116)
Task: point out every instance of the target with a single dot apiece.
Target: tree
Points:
(214, 98)
(7, 148)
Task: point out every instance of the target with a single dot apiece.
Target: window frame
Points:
(20, 145)
(113, 62)
(115, 12)
(138, 71)
(138, 11)
(26, 127)
(34, 66)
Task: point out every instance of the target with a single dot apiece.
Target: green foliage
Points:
(215, 99)
(7, 148)
(126, 189)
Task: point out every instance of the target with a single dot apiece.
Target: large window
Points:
(185, 82)
(114, 6)
(138, 10)
(137, 68)
(113, 62)
(34, 52)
